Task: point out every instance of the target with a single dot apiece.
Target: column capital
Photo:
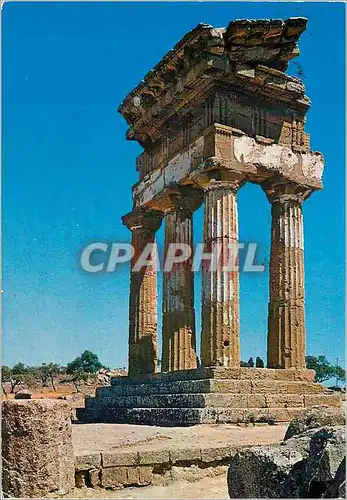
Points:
(229, 182)
(283, 191)
(186, 199)
(143, 219)
(216, 184)
(217, 178)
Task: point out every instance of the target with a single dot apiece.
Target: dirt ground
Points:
(93, 438)
(47, 392)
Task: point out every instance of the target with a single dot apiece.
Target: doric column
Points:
(143, 316)
(220, 341)
(286, 316)
(179, 343)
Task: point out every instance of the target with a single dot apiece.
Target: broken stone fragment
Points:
(24, 394)
(266, 41)
(301, 467)
(317, 416)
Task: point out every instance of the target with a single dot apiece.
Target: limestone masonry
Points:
(216, 112)
(37, 453)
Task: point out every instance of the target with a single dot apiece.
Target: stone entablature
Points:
(208, 49)
(229, 149)
(221, 76)
(277, 124)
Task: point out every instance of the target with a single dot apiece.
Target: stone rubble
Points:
(303, 466)
(317, 416)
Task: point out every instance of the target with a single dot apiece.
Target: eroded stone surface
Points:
(315, 417)
(179, 343)
(193, 397)
(286, 333)
(301, 467)
(143, 342)
(220, 339)
(37, 454)
(249, 156)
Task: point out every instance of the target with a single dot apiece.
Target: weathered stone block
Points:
(146, 475)
(337, 488)
(295, 388)
(261, 387)
(301, 467)
(114, 477)
(235, 401)
(36, 443)
(245, 70)
(133, 475)
(119, 457)
(323, 399)
(227, 415)
(232, 386)
(226, 400)
(284, 375)
(284, 400)
(296, 87)
(252, 415)
(312, 388)
(24, 394)
(312, 418)
(304, 374)
(86, 462)
(223, 146)
(154, 457)
(256, 374)
(222, 373)
(215, 454)
(94, 478)
(209, 144)
(283, 414)
(286, 134)
(256, 401)
(184, 455)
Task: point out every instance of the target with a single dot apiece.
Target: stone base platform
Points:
(113, 456)
(207, 396)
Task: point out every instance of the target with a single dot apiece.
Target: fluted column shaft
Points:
(286, 317)
(143, 317)
(179, 344)
(220, 342)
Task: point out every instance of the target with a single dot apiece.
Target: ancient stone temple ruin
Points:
(216, 112)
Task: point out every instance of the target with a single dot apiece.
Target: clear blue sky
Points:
(68, 172)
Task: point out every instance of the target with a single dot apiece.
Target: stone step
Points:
(169, 417)
(212, 386)
(218, 373)
(221, 400)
